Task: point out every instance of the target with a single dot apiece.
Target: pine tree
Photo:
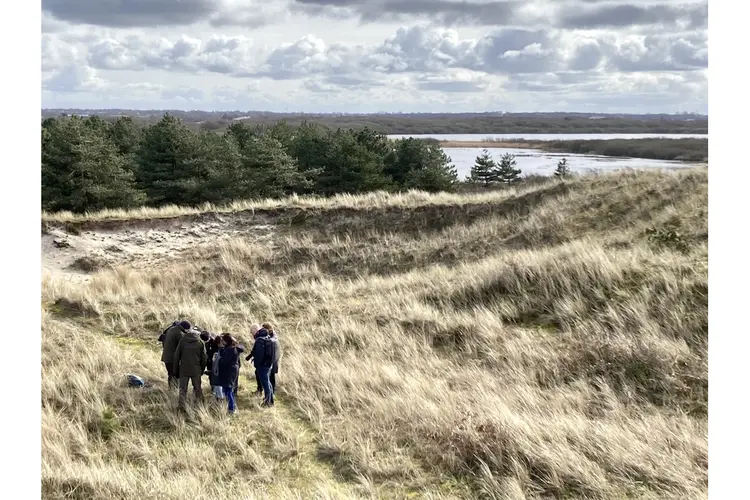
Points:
(420, 164)
(353, 164)
(506, 171)
(271, 171)
(562, 169)
(169, 167)
(82, 170)
(126, 135)
(484, 171)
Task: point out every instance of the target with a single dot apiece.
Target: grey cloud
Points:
(51, 25)
(613, 91)
(660, 53)
(417, 49)
(447, 12)
(519, 51)
(424, 52)
(251, 14)
(131, 13)
(309, 55)
(586, 57)
(246, 20)
(625, 15)
(57, 55)
(74, 78)
(108, 54)
(451, 86)
(507, 50)
(218, 54)
(513, 50)
(585, 14)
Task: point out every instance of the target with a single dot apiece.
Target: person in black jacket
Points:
(229, 368)
(264, 354)
(254, 329)
(164, 333)
(208, 341)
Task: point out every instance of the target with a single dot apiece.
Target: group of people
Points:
(189, 353)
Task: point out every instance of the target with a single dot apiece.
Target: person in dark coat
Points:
(164, 333)
(254, 329)
(208, 341)
(264, 355)
(190, 360)
(172, 337)
(229, 368)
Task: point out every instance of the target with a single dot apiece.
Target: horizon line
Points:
(381, 112)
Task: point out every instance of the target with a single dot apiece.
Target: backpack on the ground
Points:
(135, 381)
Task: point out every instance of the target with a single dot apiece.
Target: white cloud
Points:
(541, 56)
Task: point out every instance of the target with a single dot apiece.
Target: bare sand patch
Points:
(76, 255)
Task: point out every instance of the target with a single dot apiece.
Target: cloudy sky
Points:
(377, 55)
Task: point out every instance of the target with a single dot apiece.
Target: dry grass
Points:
(545, 352)
(378, 199)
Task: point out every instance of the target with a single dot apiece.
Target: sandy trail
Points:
(77, 256)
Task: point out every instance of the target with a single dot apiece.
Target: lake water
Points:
(536, 162)
(547, 137)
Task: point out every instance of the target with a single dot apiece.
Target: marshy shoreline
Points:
(687, 149)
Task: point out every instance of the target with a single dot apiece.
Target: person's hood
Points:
(191, 336)
(261, 333)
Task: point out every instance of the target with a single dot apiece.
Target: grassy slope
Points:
(529, 342)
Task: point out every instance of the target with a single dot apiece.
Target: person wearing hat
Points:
(172, 338)
(190, 362)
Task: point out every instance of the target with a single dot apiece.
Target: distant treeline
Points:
(660, 149)
(91, 164)
(427, 123)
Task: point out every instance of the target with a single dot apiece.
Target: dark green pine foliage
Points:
(310, 147)
(90, 163)
(420, 164)
(484, 171)
(271, 171)
(506, 170)
(169, 163)
(242, 134)
(126, 135)
(220, 173)
(82, 170)
(354, 163)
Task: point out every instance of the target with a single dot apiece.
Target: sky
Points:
(369, 56)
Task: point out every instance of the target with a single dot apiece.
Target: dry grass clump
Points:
(544, 352)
